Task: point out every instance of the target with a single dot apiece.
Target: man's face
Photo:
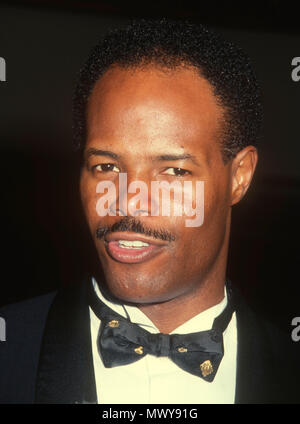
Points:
(157, 126)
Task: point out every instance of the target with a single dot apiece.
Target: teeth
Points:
(136, 244)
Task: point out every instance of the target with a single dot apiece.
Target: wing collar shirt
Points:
(157, 379)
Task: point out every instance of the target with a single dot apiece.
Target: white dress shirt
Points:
(157, 379)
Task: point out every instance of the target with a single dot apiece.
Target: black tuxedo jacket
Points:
(47, 355)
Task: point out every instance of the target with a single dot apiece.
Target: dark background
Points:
(43, 238)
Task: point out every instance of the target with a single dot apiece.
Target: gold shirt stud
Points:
(182, 349)
(206, 368)
(139, 350)
(114, 323)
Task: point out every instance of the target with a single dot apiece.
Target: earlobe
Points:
(243, 167)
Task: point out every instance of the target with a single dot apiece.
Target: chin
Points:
(137, 292)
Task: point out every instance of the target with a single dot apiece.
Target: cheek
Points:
(209, 236)
(217, 194)
(88, 199)
(204, 203)
(212, 233)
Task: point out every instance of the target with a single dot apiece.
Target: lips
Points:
(132, 248)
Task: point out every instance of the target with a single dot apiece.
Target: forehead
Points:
(154, 107)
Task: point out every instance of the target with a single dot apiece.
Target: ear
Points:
(243, 167)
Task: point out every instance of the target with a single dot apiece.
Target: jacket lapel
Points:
(65, 372)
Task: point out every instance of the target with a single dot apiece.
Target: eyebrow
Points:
(97, 152)
(176, 157)
(167, 157)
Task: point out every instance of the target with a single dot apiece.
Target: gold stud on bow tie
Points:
(139, 350)
(206, 368)
(114, 323)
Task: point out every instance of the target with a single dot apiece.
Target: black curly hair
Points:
(169, 44)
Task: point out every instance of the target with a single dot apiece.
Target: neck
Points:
(169, 315)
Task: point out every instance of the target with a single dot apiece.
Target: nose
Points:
(133, 197)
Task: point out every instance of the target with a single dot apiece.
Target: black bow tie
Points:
(121, 342)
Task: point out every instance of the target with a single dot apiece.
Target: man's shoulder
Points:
(22, 333)
(22, 313)
(23, 323)
(268, 359)
(256, 323)
(279, 339)
(258, 326)
(28, 304)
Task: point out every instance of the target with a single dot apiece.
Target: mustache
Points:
(134, 225)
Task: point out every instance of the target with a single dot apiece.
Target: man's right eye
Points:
(106, 167)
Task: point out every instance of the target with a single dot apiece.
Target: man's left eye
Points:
(176, 171)
(106, 167)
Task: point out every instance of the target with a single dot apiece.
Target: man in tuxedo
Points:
(156, 102)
